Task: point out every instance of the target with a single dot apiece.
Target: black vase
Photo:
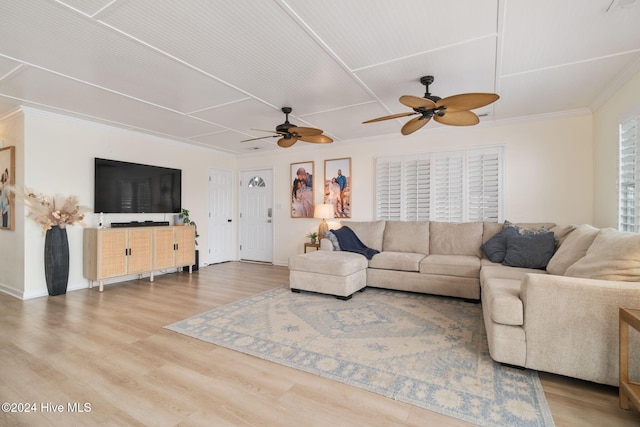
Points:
(56, 260)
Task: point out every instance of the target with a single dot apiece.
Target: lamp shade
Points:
(323, 211)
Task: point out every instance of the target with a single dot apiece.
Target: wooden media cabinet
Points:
(114, 252)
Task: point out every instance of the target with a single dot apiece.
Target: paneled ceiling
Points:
(207, 72)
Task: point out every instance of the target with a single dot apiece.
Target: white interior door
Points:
(256, 215)
(220, 238)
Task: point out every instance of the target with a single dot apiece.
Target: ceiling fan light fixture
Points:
(453, 110)
(289, 133)
(426, 81)
(284, 127)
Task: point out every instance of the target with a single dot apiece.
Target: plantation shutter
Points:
(628, 176)
(453, 186)
(417, 175)
(448, 195)
(483, 185)
(389, 189)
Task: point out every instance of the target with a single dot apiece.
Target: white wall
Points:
(623, 102)
(59, 153)
(548, 177)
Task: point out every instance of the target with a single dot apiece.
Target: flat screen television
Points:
(123, 187)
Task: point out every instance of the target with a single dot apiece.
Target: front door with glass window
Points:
(256, 215)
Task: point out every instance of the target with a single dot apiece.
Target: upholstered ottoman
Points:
(328, 272)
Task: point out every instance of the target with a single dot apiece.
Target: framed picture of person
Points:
(7, 166)
(338, 186)
(301, 193)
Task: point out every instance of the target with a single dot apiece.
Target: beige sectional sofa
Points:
(561, 319)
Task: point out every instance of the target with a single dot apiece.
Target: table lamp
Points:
(323, 211)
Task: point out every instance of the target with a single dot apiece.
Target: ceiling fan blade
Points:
(416, 102)
(270, 131)
(393, 116)
(316, 139)
(261, 137)
(305, 131)
(467, 101)
(287, 142)
(457, 118)
(414, 124)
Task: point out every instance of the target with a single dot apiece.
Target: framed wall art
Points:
(7, 168)
(301, 190)
(337, 186)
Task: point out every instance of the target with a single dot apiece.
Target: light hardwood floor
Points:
(110, 351)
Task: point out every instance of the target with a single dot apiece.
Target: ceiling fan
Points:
(452, 110)
(289, 133)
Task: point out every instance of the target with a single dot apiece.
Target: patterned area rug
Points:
(424, 350)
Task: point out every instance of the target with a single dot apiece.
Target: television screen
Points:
(123, 187)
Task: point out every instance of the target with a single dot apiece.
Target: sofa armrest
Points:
(571, 325)
(326, 245)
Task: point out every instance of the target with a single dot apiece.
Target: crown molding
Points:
(616, 84)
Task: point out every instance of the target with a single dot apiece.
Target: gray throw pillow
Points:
(530, 250)
(334, 240)
(496, 247)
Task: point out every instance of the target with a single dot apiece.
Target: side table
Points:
(311, 245)
(629, 390)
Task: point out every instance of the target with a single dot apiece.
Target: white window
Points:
(629, 175)
(453, 186)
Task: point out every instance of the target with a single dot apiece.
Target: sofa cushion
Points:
(561, 232)
(406, 236)
(490, 229)
(529, 250)
(449, 238)
(613, 255)
(369, 232)
(501, 298)
(451, 265)
(572, 249)
(500, 271)
(328, 262)
(390, 260)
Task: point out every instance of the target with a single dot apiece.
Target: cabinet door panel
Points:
(186, 253)
(140, 242)
(163, 251)
(113, 258)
